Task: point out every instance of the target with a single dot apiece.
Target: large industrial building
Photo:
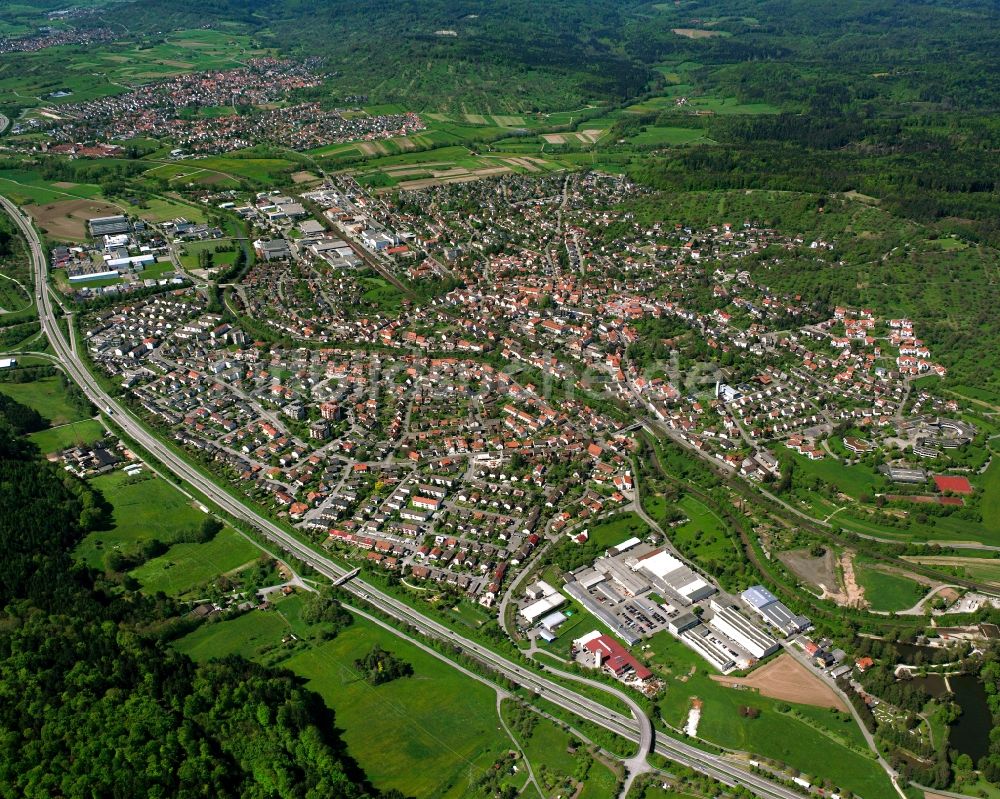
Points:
(773, 611)
(740, 630)
(108, 225)
(672, 576)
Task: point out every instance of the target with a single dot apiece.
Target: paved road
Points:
(637, 729)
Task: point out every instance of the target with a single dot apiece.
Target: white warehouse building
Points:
(741, 631)
(542, 607)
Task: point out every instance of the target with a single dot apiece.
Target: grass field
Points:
(547, 749)
(855, 481)
(55, 439)
(943, 528)
(247, 635)
(439, 725)
(985, 570)
(145, 507)
(889, 592)
(47, 397)
(31, 187)
(990, 502)
(817, 748)
(383, 295)
(191, 249)
(704, 533)
(265, 171)
(13, 299)
(156, 271)
(668, 136)
(617, 529)
(186, 566)
(423, 734)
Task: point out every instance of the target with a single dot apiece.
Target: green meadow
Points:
(425, 735)
(186, 566)
(46, 396)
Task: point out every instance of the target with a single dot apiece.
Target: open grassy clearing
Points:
(980, 569)
(944, 528)
(161, 269)
(46, 396)
(162, 209)
(817, 746)
(887, 592)
(669, 136)
(382, 294)
(265, 171)
(990, 502)
(247, 635)
(189, 258)
(186, 566)
(421, 734)
(703, 533)
(74, 434)
(554, 760)
(856, 481)
(145, 507)
(13, 298)
(439, 725)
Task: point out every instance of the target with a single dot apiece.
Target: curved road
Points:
(638, 729)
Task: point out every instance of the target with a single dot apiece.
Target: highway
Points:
(636, 728)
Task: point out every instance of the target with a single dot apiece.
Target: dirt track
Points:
(787, 679)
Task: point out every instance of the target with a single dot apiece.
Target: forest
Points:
(96, 702)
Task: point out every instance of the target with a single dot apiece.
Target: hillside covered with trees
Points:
(94, 702)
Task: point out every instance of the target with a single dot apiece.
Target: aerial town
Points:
(448, 439)
(498, 401)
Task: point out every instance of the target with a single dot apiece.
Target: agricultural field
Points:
(187, 566)
(66, 220)
(99, 70)
(786, 678)
(145, 507)
(451, 165)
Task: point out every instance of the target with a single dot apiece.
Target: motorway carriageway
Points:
(637, 729)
